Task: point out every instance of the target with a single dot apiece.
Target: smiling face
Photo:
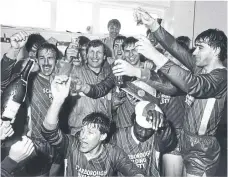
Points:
(46, 61)
(90, 138)
(118, 50)
(131, 55)
(114, 31)
(142, 134)
(203, 54)
(95, 56)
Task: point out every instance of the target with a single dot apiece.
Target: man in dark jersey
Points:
(206, 82)
(87, 154)
(150, 135)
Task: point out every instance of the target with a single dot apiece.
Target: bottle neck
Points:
(26, 71)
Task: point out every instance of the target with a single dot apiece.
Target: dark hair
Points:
(36, 39)
(192, 50)
(48, 46)
(129, 40)
(132, 40)
(118, 38)
(184, 41)
(96, 43)
(216, 39)
(83, 41)
(114, 22)
(100, 119)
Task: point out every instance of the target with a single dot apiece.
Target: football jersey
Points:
(142, 154)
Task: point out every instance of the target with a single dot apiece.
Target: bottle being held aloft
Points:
(15, 93)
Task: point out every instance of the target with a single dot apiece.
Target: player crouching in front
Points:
(87, 154)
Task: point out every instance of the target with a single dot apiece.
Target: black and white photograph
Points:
(113, 88)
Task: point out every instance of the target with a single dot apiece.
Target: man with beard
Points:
(87, 153)
(206, 81)
(149, 135)
(92, 72)
(114, 27)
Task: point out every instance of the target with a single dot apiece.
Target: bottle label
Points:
(11, 109)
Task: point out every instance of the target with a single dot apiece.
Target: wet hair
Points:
(114, 22)
(118, 38)
(216, 39)
(83, 41)
(96, 43)
(128, 41)
(49, 46)
(184, 41)
(132, 40)
(99, 119)
(34, 39)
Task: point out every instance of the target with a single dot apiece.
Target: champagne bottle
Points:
(15, 93)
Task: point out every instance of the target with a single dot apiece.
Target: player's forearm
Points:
(12, 53)
(103, 88)
(201, 86)
(51, 120)
(175, 49)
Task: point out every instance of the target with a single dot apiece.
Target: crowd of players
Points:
(161, 122)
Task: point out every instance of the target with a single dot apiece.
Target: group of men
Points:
(169, 105)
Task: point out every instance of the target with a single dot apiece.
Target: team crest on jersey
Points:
(189, 100)
(164, 99)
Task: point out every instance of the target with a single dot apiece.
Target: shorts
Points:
(176, 150)
(200, 153)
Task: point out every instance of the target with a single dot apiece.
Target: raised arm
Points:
(166, 39)
(213, 84)
(17, 42)
(63, 143)
(156, 80)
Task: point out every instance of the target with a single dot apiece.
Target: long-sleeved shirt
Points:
(111, 160)
(9, 70)
(172, 99)
(208, 89)
(145, 154)
(7, 167)
(83, 105)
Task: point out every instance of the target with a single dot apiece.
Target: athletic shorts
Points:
(200, 154)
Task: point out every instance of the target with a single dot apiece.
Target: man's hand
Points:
(60, 87)
(18, 40)
(21, 149)
(77, 86)
(156, 118)
(6, 129)
(143, 17)
(122, 67)
(118, 99)
(145, 47)
(52, 40)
